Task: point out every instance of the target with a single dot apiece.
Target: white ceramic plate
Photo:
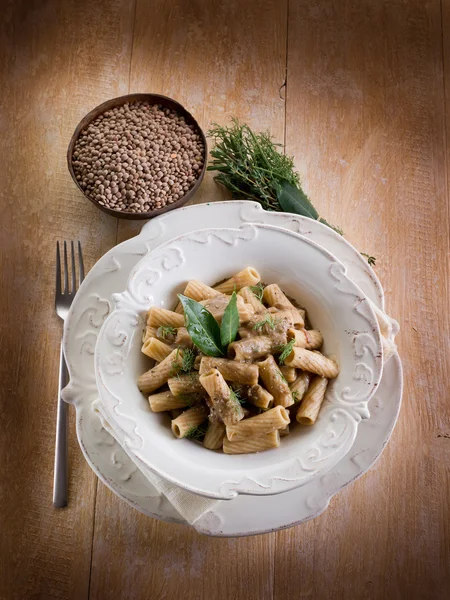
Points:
(112, 465)
(335, 306)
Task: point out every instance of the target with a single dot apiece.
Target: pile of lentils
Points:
(138, 157)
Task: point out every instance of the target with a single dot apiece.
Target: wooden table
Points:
(359, 93)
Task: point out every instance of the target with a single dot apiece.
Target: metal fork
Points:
(63, 300)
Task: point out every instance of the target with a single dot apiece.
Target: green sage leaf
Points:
(295, 201)
(230, 322)
(202, 327)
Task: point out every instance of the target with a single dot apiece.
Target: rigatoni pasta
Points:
(275, 382)
(218, 304)
(312, 401)
(158, 375)
(276, 298)
(252, 444)
(275, 418)
(312, 361)
(214, 435)
(289, 373)
(156, 349)
(249, 297)
(231, 370)
(244, 278)
(197, 291)
(300, 385)
(309, 339)
(166, 401)
(157, 316)
(241, 395)
(223, 403)
(260, 397)
(185, 384)
(189, 419)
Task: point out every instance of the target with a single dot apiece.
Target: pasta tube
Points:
(250, 348)
(314, 362)
(167, 401)
(245, 332)
(185, 384)
(183, 339)
(252, 444)
(231, 370)
(197, 291)
(250, 298)
(285, 431)
(218, 304)
(193, 417)
(156, 377)
(156, 349)
(214, 435)
(158, 316)
(259, 397)
(289, 373)
(246, 277)
(223, 403)
(148, 333)
(275, 297)
(274, 381)
(271, 420)
(312, 401)
(304, 338)
(300, 385)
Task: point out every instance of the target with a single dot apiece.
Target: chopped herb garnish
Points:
(187, 362)
(258, 291)
(197, 432)
(285, 350)
(190, 399)
(281, 376)
(235, 395)
(295, 396)
(268, 320)
(165, 331)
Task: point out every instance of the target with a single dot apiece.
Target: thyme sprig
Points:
(253, 167)
(249, 164)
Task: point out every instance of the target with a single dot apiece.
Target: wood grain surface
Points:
(359, 92)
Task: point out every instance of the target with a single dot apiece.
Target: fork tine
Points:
(80, 263)
(66, 270)
(74, 275)
(58, 269)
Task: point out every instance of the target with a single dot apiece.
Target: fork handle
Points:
(60, 477)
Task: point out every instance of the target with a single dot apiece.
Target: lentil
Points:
(129, 157)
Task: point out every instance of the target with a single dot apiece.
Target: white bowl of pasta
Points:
(238, 361)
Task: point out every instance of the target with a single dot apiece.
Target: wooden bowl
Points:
(151, 99)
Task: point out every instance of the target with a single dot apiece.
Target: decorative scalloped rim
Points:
(100, 448)
(297, 471)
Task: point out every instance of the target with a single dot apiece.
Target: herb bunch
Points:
(249, 164)
(252, 167)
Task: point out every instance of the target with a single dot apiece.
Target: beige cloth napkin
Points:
(192, 506)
